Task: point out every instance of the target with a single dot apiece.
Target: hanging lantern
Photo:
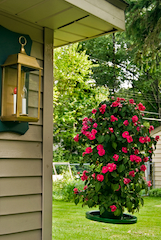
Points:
(21, 79)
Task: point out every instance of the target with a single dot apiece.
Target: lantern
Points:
(21, 79)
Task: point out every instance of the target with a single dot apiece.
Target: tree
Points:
(74, 96)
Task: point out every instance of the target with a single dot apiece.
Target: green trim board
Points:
(9, 44)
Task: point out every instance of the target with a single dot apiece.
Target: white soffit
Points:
(71, 20)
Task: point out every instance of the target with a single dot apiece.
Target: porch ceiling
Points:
(71, 20)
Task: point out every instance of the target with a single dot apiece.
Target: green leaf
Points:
(112, 137)
(107, 137)
(117, 212)
(102, 209)
(121, 168)
(76, 200)
(114, 174)
(95, 198)
(114, 145)
(100, 139)
(97, 186)
(90, 203)
(129, 205)
(115, 186)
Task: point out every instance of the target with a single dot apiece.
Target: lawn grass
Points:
(69, 223)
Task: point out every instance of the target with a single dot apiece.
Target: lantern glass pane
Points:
(9, 85)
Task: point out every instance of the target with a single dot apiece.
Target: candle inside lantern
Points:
(14, 100)
(24, 100)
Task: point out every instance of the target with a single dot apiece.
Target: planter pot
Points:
(124, 219)
(110, 215)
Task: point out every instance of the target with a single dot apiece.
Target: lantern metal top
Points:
(22, 58)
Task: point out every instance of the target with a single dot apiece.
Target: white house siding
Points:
(157, 158)
(22, 160)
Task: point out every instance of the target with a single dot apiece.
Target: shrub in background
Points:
(156, 192)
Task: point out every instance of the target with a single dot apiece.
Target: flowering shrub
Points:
(117, 144)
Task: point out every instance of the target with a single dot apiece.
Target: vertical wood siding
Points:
(157, 159)
(21, 161)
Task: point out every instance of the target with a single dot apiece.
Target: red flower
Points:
(157, 138)
(116, 157)
(95, 125)
(94, 175)
(151, 128)
(145, 159)
(115, 104)
(136, 151)
(113, 118)
(125, 134)
(94, 111)
(143, 168)
(100, 177)
(92, 136)
(141, 107)
(134, 119)
(126, 123)
(102, 108)
(138, 129)
(85, 127)
(111, 130)
(127, 180)
(76, 138)
(142, 139)
(100, 146)
(85, 187)
(75, 190)
(131, 101)
(124, 149)
(149, 183)
(94, 131)
(89, 150)
(111, 167)
(113, 208)
(129, 139)
(147, 139)
(132, 173)
(101, 152)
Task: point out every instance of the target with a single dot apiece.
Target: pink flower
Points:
(100, 146)
(131, 101)
(87, 134)
(90, 119)
(75, 190)
(111, 167)
(89, 150)
(94, 111)
(157, 138)
(100, 177)
(94, 131)
(151, 128)
(85, 119)
(125, 134)
(84, 176)
(113, 118)
(126, 123)
(145, 159)
(134, 119)
(133, 158)
(132, 173)
(143, 168)
(142, 139)
(118, 188)
(94, 175)
(102, 108)
(124, 149)
(76, 138)
(127, 180)
(138, 129)
(141, 107)
(129, 139)
(111, 130)
(92, 136)
(85, 127)
(116, 157)
(105, 169)
(115, 104)
(149, 183)
(113, 208)
(95, 125)
(138, 159)
(85, 187)
(101, 152)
